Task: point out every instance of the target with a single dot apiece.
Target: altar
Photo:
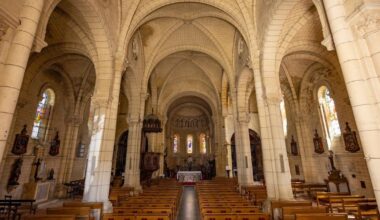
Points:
(189, 176)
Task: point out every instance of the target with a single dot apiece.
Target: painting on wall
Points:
(21, 142)
(350, 140)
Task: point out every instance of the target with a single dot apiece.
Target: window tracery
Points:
(329, 115)
(43, 114)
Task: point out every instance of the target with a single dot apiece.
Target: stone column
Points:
(229, 158)
(14, 67)
(280, 156)
(132, 164)
(69, 149)
(243, 152)
(99, 165)
(362, 100)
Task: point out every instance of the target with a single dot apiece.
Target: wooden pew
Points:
(288, 213)
(110, 216)
(93, 205)
(49, 217)
(336, 202)
(280, 204)
(320, 217)
(239, 216)
(322, 197)
(79, 212)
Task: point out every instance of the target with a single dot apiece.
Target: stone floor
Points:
(189, 209)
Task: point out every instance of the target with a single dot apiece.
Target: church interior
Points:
(189, 109)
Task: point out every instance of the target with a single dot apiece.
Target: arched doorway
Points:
(121, 154)
(256, 155)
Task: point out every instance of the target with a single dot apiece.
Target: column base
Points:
(107, 207)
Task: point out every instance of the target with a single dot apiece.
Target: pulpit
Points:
(39, 191)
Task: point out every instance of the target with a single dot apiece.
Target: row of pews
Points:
(354, 205)
(70, 210)
(158, 202)
(220, 199)
(329, 206)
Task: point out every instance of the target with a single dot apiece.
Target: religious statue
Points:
(15, 172)
(293, 147)
(51, 174)
(54, 147)
(331, 158)
(21, 142)
(350, 140)
(39, 170)
(318, 144)
(189, 163)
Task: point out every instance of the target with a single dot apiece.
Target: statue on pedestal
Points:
(318, 144)
(293, 147)
(54, 147)
(15, 174)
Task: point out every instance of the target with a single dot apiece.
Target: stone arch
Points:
(270, 49)
(244, 88)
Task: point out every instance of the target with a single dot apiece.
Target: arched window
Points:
(175, 143)
(283, 116)
(328, 114)
(202, 143)
(43, 115)
(189, 144)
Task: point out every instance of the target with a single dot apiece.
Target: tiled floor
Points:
(189, 209)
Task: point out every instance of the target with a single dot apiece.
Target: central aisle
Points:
(189, 209)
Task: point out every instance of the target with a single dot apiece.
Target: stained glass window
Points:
(202, 144)
(284, 119)
(189, 144)
(43, 114)
(328, 114)
(175, 143)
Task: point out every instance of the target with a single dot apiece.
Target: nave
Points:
(217, 199)
(264, 100)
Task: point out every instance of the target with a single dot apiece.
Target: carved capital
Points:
(100, 102)
(272, 100)
(366, 20)
(243, 117)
